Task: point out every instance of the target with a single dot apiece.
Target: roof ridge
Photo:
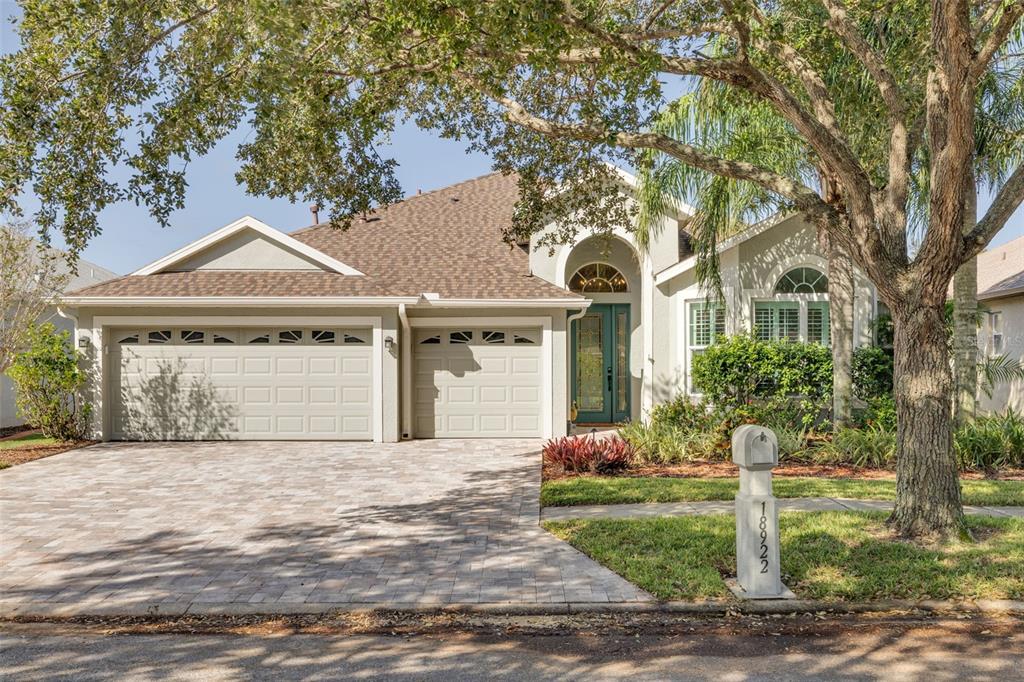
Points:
(403, 200)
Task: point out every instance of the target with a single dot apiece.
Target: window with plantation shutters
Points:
(818, 329)
(777, 320)
(707, 322)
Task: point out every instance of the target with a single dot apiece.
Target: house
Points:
(86, 275)
(1001, 331)
(419, 321)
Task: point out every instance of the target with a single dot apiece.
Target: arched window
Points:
(802, 281)
(598, 278)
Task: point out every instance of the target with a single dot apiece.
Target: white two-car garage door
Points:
(478, 383)
(210, 383)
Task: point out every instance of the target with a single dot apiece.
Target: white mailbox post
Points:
(755, 450)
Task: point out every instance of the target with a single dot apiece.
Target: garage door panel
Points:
(290, 395)
(278, 391)
(525, 395)
(323, 395)
(465, 395)
(494, 394)
(323, 366)
(358, 366)
(226, 366)
(525, 422)
(355, 395)
(485, 388)
(252, 366)
(256, 395)
(494, 422)
(494, 365)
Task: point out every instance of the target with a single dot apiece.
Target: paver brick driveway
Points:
(203, 526)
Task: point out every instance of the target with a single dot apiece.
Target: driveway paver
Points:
(165, 527)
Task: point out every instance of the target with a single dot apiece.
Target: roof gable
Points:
(247, 244)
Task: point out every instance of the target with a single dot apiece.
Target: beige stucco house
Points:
(419, 321)
(1001, 299)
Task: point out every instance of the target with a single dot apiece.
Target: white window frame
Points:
(801, 299)
(692, 350)
(996, 339)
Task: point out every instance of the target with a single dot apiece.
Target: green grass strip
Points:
(623, 490)
(833, 556)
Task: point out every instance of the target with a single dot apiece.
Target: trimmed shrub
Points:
(738, 369)
(588, 454)
(48, 381)
(872, 371)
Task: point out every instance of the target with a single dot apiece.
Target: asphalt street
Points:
(926, 652)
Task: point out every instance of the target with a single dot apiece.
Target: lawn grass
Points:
(31, 440)
(622, 490)
(833, 556)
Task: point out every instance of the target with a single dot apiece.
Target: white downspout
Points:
(405, 366)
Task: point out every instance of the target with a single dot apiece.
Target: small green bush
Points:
(666, 443)
(48, 381)
(991, 442)
(681, 412)
(738, 369)
(872, 371)
(873, 446)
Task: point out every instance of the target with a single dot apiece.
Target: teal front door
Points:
(600, 364)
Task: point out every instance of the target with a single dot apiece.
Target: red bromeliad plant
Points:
(588, 454)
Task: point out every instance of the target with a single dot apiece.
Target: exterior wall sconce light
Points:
(389, 343)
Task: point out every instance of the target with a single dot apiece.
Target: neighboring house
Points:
(419, 322)
(1001, 297)
(87, 275)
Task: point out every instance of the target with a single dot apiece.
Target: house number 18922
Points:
(763, 526)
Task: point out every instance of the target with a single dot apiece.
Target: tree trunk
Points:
(927, 479)
(965, 325)
(840, 294)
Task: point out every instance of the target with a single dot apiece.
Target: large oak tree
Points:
(552, 89)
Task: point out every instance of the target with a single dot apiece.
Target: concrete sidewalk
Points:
(637, 511)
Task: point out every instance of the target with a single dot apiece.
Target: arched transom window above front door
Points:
(802, 281)
(598, 278)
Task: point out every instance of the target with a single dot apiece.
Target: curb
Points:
(706, 608)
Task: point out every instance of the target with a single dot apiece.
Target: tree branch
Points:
(1010, 196)
(804, 197)
(996, 38)
(842, 26)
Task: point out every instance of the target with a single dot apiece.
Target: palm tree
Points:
(745, 129)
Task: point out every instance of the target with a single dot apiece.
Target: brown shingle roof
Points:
(447, 242)
(237, 283)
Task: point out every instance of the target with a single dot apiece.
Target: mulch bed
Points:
(705, 469)
(33, 452)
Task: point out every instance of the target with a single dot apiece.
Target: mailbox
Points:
(755, 447)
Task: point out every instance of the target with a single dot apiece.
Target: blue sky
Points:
(131, 238)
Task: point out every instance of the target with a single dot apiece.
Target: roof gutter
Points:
(239, 301)
(431, 302)
(1000, 293)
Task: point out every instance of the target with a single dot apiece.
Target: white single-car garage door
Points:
(478, 383)
(250, 384)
